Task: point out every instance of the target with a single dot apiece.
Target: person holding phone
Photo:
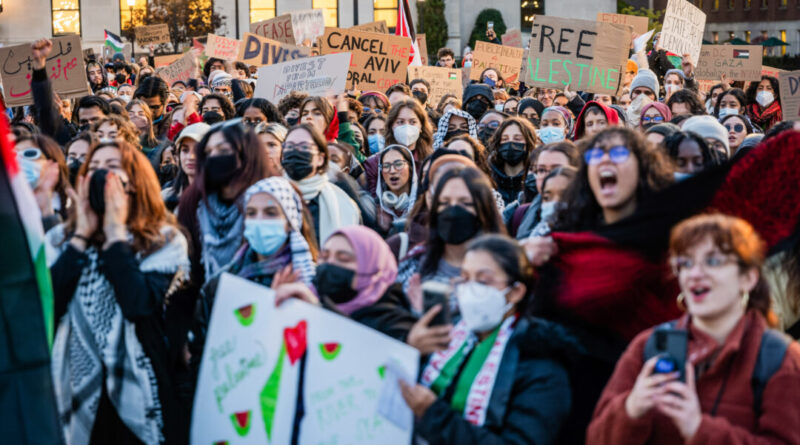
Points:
(718, 261)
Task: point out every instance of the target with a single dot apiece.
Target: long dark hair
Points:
(684, 96)
(711, 157)
(485, 208)
(510, 256)
(104, 83)
(735, 92)
(753, 89)
(319, 140)
(266, 107)
(655, 173)
(528, 132)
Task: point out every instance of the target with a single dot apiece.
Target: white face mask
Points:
(670, 88)
(498, 107)
(406, 134)
(726, 111)
(482, 307)
(765, 98)
(548, 209)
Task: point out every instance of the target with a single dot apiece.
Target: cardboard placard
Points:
(160, 61)
(379, 60)
(682, 32)
(317, 76)
(222, 47)
(639, 24)
(277, 28)
(155, 34)
(260, 51)
(260, 360)
(505, 59)
(442, 80)
(379, 27)
(422, 44)
(307, 25)
(64, 66)
(512, 37)
(181, 69)
(737, 62)
(790, 94)
(771, 71)
(588, 56)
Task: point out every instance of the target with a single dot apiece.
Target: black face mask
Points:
(451, 134)
(335, 283)
(535, 121)
(212, 117)
(512, 153)
(220, 169)
(167, 173)
(297, 164)
(84, 127)
(292, 121)
(73, 167)
(421, 97)
(97, 191)
(486, 134)
(120, 78)
(455, 225)
(476, 108)
(530, 183)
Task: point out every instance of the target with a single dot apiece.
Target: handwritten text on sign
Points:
(379, 60)
(736, 62)
(278, 28)
(64, 67)
(506, 59)
(443, 81)
(182, 69)
(307, 26)
(639, 24)
(512, 37)
(222, 47)
(155, 34)
(790, 94)
(260, 51)
(317, 76)
(682, 32)
(589, 56)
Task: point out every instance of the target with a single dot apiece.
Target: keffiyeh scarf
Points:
(221, 228)
(441, 130)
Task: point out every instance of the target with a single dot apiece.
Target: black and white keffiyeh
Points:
(222, 230)
(441, 130)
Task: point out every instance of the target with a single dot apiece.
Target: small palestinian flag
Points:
(741, 54)
(113, 41)
(453, 75)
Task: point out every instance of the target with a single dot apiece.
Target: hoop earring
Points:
(745, 299)
(679, 301)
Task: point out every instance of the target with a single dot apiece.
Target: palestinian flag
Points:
(741, 54)
(26, 305)
(405, 28)
(113, 41)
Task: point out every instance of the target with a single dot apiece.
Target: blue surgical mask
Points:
(376, 143)
(31, 170)
(726, 111)
(265, 236)
(551, 134)
(548, 209)
(680, 176)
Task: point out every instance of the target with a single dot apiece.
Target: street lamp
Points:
(131, 4)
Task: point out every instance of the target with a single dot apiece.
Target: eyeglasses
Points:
(396, 165)
(490, 125)
(376, 110)
(652, 118)
(618, 154)
(713, 261)
(305, 146)
(31, 153)
(736, 127)
(543, 170)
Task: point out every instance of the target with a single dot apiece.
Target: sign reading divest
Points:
(737, 62)
(588, 56)
(278, 28)
(317, 76)
(443, 81)
(379, 27)
(379, 60)
(64, 67)
(181, 69)
(682, 32)
(639, 24)
(512, 37)
(790, 94)
(506, 59)
(155, 34)
(307, 26)
(222, 47)
(260, 51)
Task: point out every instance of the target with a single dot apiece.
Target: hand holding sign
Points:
(40, 49)
(686, 65)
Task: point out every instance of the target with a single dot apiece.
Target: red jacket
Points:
(735, 421)
(611, 116)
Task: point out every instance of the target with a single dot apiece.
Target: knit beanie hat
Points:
(709, 128)
(646, 78)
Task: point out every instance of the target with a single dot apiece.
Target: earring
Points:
(745, 299)
(679, 301)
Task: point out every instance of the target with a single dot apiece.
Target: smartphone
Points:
(433, 293)
(490, 25)
(672, 345)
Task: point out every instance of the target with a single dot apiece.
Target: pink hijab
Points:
(661, 108)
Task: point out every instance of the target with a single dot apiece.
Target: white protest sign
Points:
(682, 32)
(317, 76)
(259, 360)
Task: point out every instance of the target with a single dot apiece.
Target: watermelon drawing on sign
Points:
(330, 350)
(246, 314)
(382, 371)
(241, 422)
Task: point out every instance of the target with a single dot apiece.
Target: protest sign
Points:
(589, 56)
(507, 60)
(278, 28)
(160, 61)
(465, 72)
(422, 44)
(512, 37)
(307, 25)
(737, 62)
(317, 76)
(379, 27)
(442, 80)
(639, 24)
(154, 34)
(682, 32)
(222, 47)
(771, 71)
(181, 69)
(259, 360)
(259, 51)
(379, 60)
(790, 94)
(64, 66)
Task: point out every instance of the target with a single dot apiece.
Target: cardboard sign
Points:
(422, 44)
(260, 51)
(379, 60)
(737, 62)
(222, 47)
(505, 59)
(512, 37)
(317, 76)
(155, 34)
(771, 71)
(278, 28)
(64, 66)
(379, 27)
(682, 32)
(307, 26)
(639, 24)
(790, 94)
(588, 56)
(259, 360)
(181, 69)
(160, 61)
(442, 80)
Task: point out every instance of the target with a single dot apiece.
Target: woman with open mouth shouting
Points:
(397, 187)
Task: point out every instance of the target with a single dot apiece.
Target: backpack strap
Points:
(770, 358)
(403, 245)
(650, 349)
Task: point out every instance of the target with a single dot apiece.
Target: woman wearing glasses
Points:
(722, 397)
(738, 127)
(654, 113)
(397, 188)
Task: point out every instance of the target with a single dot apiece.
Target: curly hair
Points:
(750, 94)
(227, 106)
(293, 100)
(125, 129)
